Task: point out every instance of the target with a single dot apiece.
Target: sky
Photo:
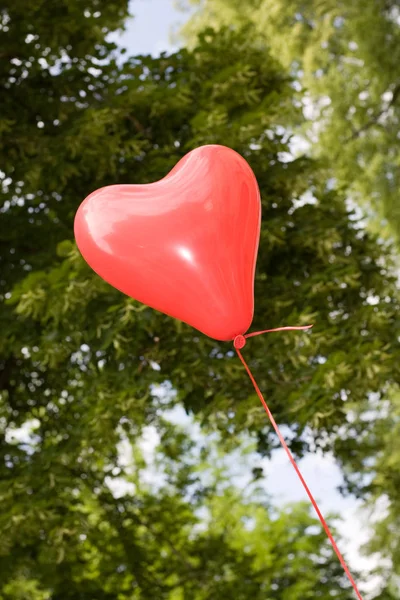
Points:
(149, 32)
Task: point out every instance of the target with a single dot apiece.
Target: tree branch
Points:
(373, 120)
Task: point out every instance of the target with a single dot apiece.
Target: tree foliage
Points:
(345, 57)
(169, 527)
(79, 360)
(315, 261)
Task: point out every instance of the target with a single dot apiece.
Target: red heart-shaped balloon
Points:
(185, 245)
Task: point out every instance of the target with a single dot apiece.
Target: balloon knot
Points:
(239, 342)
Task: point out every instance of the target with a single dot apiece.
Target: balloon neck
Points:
(239, 342)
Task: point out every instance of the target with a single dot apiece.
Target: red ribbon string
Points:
(239, 343)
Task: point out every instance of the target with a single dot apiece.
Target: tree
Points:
(64, 315)
(345, 57)
(188, 534)
(79, 359)
(54, 61)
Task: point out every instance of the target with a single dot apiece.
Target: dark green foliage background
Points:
(78, 359)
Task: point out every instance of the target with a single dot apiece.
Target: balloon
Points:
(185, 245)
